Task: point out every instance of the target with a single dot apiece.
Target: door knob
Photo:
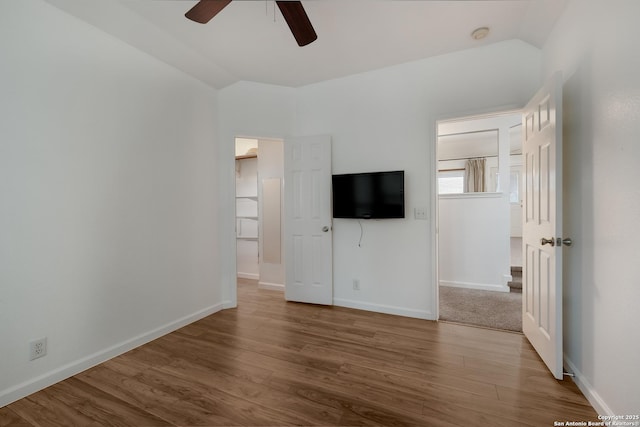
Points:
(325, 228)
(566, 242)
(557, 241)
(550, 241)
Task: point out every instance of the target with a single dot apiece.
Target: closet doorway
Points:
(259, 212)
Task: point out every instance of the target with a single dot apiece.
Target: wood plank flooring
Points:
(273, 363)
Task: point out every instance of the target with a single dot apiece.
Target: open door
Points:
(542, 222)
(308, 235)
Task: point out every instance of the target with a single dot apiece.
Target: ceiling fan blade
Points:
(298, 21)
(204, 10)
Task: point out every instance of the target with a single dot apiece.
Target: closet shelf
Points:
(247, 217)
(247, 197)
(247, 238)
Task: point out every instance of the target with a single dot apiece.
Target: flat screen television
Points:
(372, 195)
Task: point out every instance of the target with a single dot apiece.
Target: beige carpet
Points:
(497, 310)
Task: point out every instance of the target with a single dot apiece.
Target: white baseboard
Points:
(228, 304)
(587, 389)
(59, 374)
(271, 286)
(250, 276)
(387, 309)
(478, 286)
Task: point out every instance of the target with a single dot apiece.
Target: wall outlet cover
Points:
(37, 348)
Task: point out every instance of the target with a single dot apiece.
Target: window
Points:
(451, 181)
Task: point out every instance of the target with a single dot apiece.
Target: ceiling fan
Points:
(293, 12)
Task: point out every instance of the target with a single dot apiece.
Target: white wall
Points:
(108, 207)
(474, 241)
(595, 44)
(385, 120)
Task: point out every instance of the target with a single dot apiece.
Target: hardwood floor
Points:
(273, 363)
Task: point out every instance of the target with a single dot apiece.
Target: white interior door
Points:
(308, 235)
(542, 262)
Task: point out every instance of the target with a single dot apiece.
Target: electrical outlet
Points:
(420, 213)
(38, 348)
(356, 284)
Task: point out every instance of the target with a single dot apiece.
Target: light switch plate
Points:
(420, 213)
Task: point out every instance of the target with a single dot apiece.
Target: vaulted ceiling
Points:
(249, 39)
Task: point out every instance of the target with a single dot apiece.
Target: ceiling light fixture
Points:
(480, 33)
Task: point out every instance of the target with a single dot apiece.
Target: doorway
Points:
(304, 247)
(475, 156)
(259, 205)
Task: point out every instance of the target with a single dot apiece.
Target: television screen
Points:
(368, 195)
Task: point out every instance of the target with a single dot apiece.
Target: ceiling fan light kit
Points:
(293, 12)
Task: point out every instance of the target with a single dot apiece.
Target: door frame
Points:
(435, 200)
(229, 223)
